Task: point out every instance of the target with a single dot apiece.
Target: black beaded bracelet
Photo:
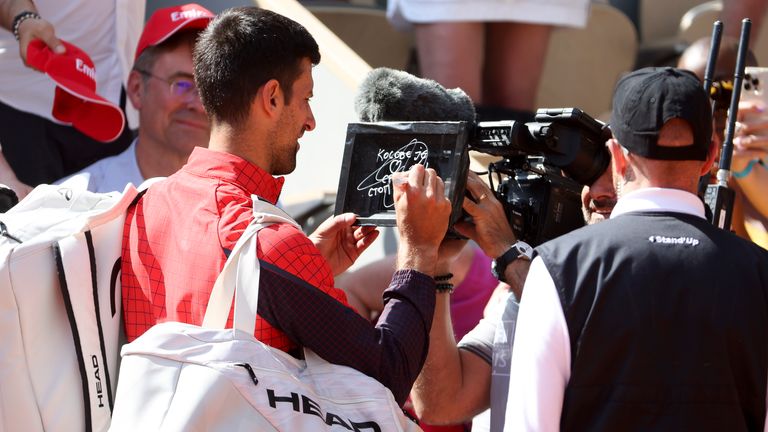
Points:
(445, 277)
(20, 18)
(444, 288)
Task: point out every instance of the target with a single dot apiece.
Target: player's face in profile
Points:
(295, 119)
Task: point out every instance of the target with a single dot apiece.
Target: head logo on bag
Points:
(309, 406)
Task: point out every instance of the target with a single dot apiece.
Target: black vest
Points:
(668, 323)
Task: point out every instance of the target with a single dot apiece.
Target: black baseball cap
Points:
(647, 98)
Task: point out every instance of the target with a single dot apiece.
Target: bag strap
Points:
(75, 260)
(83, 343)
(239, 279)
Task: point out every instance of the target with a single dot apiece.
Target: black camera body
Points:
(540, 202)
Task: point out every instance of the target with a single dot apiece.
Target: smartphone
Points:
(755, 89)
(754, 86)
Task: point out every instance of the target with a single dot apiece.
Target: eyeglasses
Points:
(182, 88)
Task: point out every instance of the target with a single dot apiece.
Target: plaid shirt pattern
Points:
(175, 237)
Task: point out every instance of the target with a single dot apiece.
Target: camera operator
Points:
(458, 382)
(655, 319)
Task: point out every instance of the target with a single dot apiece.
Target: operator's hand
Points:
(750, 140)
(490, 228)
(422, 211)
(340, 242)
(38, 29)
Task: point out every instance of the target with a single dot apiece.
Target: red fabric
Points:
(175, 239)
(165, 22)
(75, 100)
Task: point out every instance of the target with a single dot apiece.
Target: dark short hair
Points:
(242, 49)
(148, 57)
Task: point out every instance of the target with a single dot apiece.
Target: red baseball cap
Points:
(76, 101)
(165, 22)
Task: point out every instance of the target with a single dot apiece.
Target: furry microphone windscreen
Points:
(393, 95)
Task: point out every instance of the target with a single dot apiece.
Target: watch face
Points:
(524, 250)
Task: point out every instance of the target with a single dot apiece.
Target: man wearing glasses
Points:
(161, 87)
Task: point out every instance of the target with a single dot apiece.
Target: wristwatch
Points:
(520, 249)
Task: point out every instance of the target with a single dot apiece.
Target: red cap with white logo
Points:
(165, 22)
(76, 101)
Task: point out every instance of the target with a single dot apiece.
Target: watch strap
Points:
(517, 250)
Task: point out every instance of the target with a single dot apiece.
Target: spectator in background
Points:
(161, 87)
(492, 49)
(750, 177)
(37, 148)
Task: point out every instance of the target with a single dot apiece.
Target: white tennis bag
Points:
(60, 309)
(181, 377)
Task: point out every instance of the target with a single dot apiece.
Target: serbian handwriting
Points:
(389, 162)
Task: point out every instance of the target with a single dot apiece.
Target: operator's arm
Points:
(455, 382)
(490, 228)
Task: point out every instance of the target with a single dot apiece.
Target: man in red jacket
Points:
(253, 69)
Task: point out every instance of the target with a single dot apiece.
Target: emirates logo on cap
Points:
(89, 71)
(188, 14)
(165, 22)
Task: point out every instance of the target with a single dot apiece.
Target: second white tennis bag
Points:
(60, 309)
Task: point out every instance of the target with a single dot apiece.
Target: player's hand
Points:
(340, 242)
(422, 212)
